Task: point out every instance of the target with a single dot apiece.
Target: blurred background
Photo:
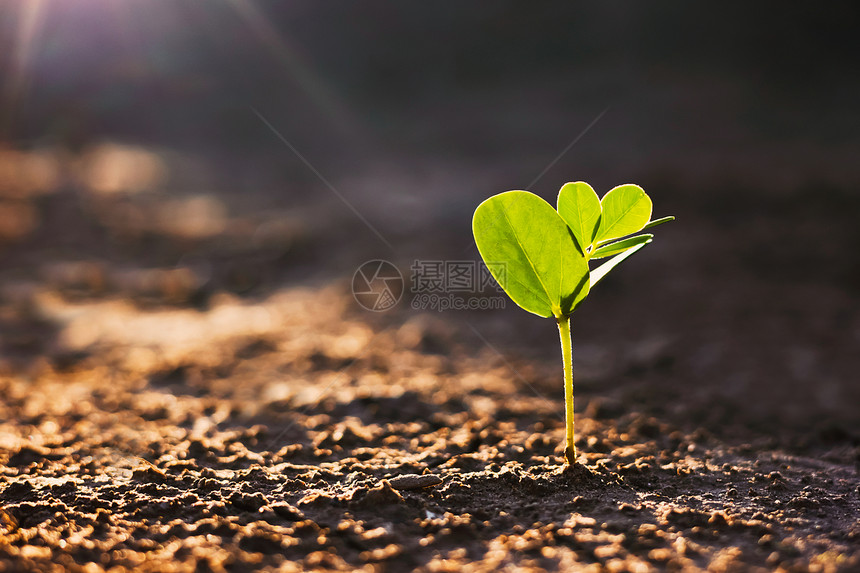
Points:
(168, 153)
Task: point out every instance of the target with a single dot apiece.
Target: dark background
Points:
(136, 162)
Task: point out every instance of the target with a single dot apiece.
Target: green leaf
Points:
(659, 221)
(531, 253)
(600, 272)
(579, 206)
(620, 246)
(626, 210)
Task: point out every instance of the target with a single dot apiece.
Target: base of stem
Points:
(570, 455)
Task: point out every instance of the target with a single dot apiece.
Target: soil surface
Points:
(162, 417)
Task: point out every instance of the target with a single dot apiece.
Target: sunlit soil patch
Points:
(289, 433)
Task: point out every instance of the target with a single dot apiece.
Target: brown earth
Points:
(157, 417)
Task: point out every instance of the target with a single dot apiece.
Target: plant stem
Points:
(567, 359)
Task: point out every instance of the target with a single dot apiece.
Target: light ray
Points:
(324, 181)
(309, 82)
(30, 20)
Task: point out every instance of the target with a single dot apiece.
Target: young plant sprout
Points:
(540, 255)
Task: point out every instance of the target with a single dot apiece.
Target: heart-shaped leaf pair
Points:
(540, 256)
(597, 224)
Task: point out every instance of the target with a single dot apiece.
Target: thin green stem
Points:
(567, 358)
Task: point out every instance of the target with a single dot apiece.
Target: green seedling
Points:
(540, 256)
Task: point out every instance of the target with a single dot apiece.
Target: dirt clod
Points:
(414, 481)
